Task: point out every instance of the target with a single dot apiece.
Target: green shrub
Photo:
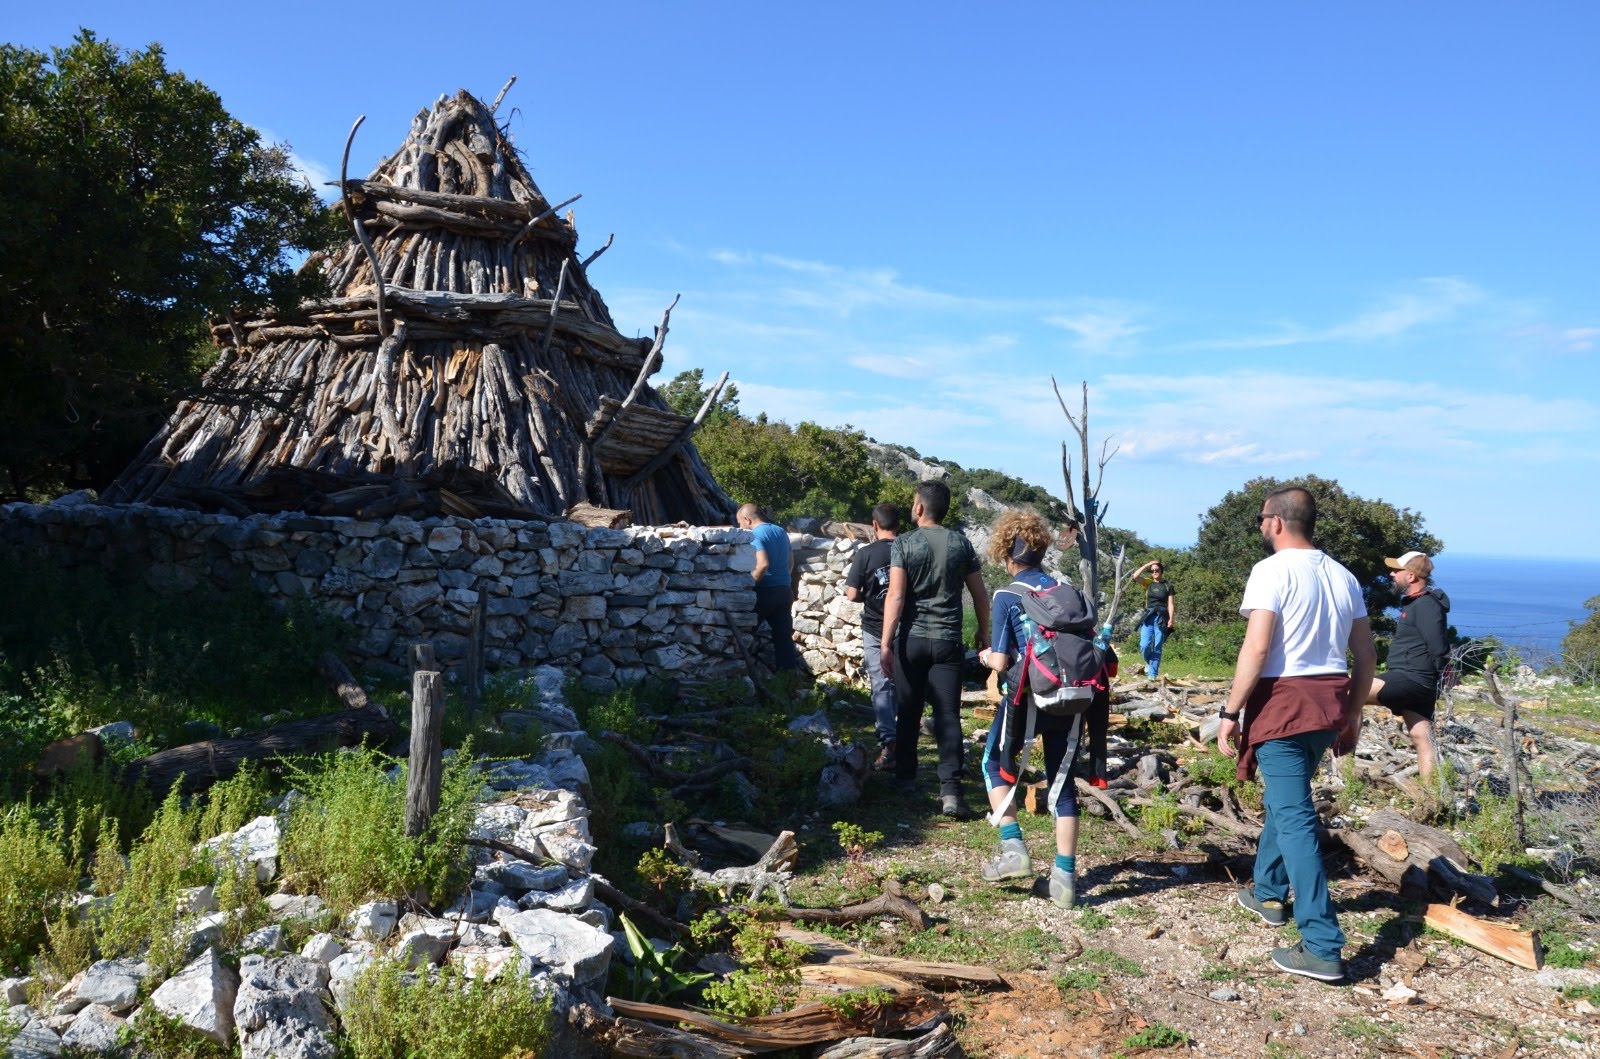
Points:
(234, 802)
(1157, 1035)
(36, 879)
(391, 1013)
(769, 980)
(346, 840)
(1491, 831)
(145, 912)
(87, 646)
(88, 798)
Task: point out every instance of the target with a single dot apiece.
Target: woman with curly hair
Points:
(1018, 543)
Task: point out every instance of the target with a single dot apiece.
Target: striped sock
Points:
(1011, 830)
(1067, 862)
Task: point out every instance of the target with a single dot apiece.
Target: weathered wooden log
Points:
(937, 1043)
(829, 950)
(332, 669)
(1513, 946)
(771, 872)
(897, 905)
(202, 764)
(1433, 861)
(803, 1025)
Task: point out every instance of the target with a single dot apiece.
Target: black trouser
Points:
(1099, 718)
(773, 604)
(924, 670)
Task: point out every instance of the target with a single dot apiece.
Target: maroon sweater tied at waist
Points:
(1283, 706)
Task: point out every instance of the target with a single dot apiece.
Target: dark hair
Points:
(935, 497)
(887, 516)
(1297, 507)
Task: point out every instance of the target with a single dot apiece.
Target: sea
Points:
(1528, 603)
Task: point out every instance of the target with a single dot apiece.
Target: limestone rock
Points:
(279, 1011)
(202, 996)
(374, 920)
(323, 948)
(95, 1030)
(562, 943)
(113, 984)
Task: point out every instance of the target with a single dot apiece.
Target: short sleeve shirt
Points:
(869, 575)
(936, 561)
(1156, 594)
(1007, 636)
(773, 540)
(1316, 601)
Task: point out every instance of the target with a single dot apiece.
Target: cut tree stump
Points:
(1513, 946)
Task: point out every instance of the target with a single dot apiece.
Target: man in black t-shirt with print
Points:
(867, 583)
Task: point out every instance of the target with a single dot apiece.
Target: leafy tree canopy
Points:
(135, 207)
(1580, 650)
(1356, 531)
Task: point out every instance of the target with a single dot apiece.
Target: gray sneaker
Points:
(1271, 912)
(1012, 862)
(1298, 961)
(1063, 888)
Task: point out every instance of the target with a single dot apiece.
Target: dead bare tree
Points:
(1091, 514)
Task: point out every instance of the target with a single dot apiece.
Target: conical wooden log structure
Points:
(489, 381)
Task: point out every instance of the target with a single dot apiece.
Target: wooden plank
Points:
(1513, 946)
(825, 949)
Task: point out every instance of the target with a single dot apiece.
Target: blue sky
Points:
(1358, 240)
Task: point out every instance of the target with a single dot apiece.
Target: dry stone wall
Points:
(614, 605)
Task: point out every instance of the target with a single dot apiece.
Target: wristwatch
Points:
(1225, 715)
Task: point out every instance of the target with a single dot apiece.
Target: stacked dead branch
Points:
(462, 341)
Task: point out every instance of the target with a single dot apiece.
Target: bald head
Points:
(749, 515)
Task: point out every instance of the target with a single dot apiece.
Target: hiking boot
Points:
(1271, 912)
(1063, 888)
(886, 758)
(1298, 961)
(1012, 862)
(950, 805)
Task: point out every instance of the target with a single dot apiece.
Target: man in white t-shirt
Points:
(1297, 698)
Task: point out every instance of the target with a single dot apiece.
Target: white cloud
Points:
(1098, 333)
(1431, 301)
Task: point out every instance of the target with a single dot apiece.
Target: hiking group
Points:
(1294, 694)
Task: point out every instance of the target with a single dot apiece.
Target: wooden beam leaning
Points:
(661, 458)
(528, 229)
(645, 370)
(360, 229)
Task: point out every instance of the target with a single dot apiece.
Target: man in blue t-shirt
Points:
(774, 594)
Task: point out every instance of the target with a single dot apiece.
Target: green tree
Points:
(1580, 650)
(135, 207)
(688, 391)
(807, 470)
(1356, 531)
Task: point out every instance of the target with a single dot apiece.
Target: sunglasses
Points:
(1266, 515)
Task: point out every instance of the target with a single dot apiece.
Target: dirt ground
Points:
(1190, 947)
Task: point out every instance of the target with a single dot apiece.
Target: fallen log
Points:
(803, 1025)
(937, 1043)
(202, 764)
(1513, 946)
(1432, 862)
(885, 904)
(833, 952)
(332, 669)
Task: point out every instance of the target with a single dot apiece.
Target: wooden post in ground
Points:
(474, 674)
(424, 767)
(1508, 703)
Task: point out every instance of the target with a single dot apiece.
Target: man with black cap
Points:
(1409, 687)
